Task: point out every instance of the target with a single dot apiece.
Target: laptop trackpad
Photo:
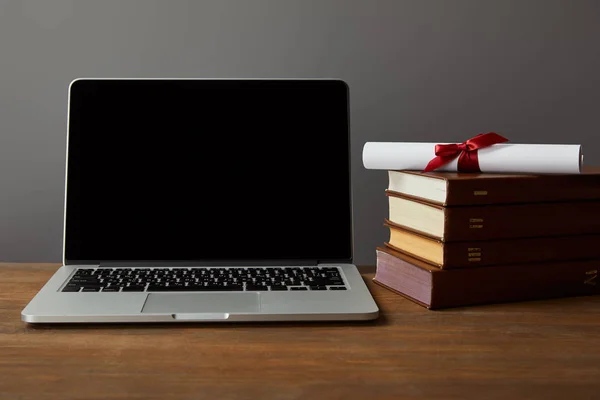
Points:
(173, 303)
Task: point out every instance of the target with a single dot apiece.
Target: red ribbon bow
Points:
(466, 152)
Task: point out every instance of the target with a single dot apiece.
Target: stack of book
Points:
(459, 239)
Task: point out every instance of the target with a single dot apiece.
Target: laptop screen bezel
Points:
(210, 262)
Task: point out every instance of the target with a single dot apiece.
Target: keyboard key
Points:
(85, 280)
(337, 288)
(254, 288)
(228, 288)
(133, 289)
(90, 289)
(158, 288)
(298, 288)
(318, 288)
(111, 289)
(279, 288)
(71, 288)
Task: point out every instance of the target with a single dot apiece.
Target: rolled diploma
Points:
(498, 158)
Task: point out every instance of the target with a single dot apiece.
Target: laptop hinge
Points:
(220, 263)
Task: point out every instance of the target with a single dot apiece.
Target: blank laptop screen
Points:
(208, 170)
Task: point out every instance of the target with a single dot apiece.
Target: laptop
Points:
(206, 200)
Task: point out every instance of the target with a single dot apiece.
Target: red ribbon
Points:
(466, 152)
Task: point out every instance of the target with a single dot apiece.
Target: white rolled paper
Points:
(498, 158)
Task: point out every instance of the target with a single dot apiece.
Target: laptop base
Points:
(51, 305)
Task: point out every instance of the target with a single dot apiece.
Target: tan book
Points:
(456, 188)
(499, 221)
(465, 254)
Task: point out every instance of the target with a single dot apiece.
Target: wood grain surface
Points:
(532, 350)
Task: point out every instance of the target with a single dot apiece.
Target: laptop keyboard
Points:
(204, 279)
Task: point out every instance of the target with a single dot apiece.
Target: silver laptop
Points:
(206, 200)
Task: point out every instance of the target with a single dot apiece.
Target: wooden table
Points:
(541, 349)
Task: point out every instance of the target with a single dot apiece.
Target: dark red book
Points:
(436, 288)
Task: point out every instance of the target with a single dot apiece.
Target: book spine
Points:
(521, 220)
(463, 287)
(515, 251)
(522, 190)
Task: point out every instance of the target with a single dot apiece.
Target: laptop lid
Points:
(208, 171)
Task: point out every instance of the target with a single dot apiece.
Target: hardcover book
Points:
(476, 253)
(455, 188)
(437, 288)
(486, 222)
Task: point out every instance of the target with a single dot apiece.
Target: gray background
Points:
(419, 70)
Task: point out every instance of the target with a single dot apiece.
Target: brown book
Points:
(476, 253)
(455, 188)
(498, 221)
(436, 288)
